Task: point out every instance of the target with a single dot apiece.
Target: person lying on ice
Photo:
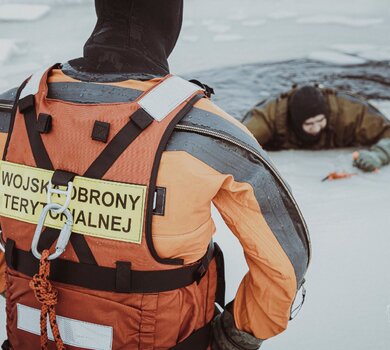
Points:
(146, 155)
(316, 118)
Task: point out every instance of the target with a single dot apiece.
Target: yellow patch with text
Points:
(100, 208)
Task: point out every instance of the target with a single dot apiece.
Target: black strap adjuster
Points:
(44, 123)
(26, 103)
(123, 277)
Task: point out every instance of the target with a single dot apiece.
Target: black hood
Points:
(132, 36)
(307, 102)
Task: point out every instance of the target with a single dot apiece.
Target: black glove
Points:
(226, 336)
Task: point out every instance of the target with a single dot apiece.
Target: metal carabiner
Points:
(64, 236)
(67, 193)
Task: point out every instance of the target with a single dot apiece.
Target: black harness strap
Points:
(153, 180)
(41, 157)
(139, 121)
(221, 284)
(199, 340)
(105, 278)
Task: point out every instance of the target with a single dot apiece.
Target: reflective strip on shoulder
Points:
(73, 332)
(32, 87)
(167, 96)
(100, 208)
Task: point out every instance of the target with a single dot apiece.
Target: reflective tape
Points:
(167, 96)
(100, 208)
(73, 332)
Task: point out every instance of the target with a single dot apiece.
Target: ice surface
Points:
(365, 51)
(219, 28)
(352, 48)
(190, 38)
(228, 37)
(282, 15)
(348, 280)
(336, 58)
(22, 12)
(342, 20)
(254, 23)
(376, 54)
(9, 48)
(239, 17)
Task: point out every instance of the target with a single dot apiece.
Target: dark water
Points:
(239, 88)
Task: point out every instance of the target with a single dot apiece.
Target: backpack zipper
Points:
(237, 143)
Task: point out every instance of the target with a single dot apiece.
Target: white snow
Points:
(22, 12)
(342, 20)
(9, 48)
(336, 58)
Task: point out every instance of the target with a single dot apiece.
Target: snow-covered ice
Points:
(22, 12)
(219, 28)
(352, 48)
(190, 38)
(278, 15)
(336, 58)
(228, 37)
(254, 23)
(342, 20)
(348, 282)
(9, 48)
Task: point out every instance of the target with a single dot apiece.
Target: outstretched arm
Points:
(373, 128)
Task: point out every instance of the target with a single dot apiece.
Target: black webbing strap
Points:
(139, 121)
(199, 340)
(105, 278)
(6, 345)
(221, 284)
(41, 157)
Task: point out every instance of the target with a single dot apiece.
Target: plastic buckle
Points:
(68, 193)
(64, 236)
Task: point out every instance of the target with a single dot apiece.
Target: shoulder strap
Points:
(164, 98)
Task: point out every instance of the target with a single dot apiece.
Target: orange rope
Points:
(46, 294)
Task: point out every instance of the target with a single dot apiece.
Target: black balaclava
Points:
(132, 36)
(307, 102)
